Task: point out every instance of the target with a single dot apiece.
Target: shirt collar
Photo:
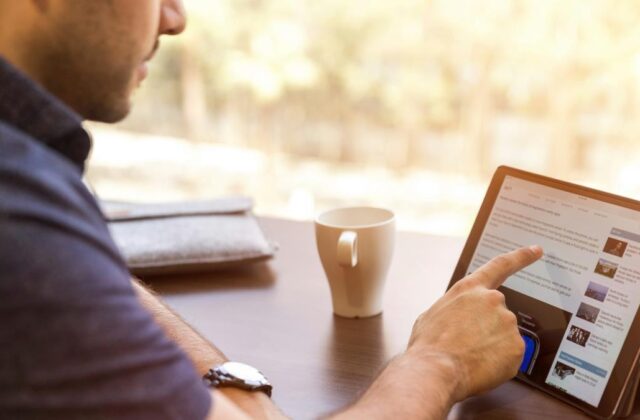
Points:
(29, 107)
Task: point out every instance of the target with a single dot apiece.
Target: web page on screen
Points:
(588, 279)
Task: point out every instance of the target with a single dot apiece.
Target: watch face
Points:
(245, 372)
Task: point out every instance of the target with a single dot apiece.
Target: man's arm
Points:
(466, 343)
(201, 352)
(204, 356)
(411, 386)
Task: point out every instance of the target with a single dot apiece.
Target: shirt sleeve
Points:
(75, 342)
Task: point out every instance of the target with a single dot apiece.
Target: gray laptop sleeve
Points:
(173, 238)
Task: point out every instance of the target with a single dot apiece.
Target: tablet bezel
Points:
(620, 376)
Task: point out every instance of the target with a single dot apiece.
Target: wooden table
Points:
(277, 316)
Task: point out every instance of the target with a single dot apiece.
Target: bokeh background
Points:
(406, 104)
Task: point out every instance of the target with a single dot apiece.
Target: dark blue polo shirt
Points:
(74, 341)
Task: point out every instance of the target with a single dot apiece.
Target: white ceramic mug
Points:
(356, 246)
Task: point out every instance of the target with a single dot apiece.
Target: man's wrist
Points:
(204, 355)
(416, 384)
(439, 372)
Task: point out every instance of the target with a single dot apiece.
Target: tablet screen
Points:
(576, 305)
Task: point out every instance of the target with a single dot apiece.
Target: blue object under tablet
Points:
(529, 351)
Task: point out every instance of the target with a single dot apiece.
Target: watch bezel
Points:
(222, 376)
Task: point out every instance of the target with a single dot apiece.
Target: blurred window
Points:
(407, 104)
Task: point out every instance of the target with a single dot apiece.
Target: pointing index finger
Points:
(496, 271)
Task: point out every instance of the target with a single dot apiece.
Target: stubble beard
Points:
(95, 84)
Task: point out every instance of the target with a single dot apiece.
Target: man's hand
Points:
(466, 343)
(472, 328)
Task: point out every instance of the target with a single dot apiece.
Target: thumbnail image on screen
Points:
(606, 268)
(615, 247)
(588, 312)
(596, 291)
(562, 371)
(578, 335)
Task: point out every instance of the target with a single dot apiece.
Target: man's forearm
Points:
(413, 385)
(420, 386)
(202, 353)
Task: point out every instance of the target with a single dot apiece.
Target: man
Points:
(79, 338)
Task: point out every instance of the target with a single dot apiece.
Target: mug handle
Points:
(348, 249)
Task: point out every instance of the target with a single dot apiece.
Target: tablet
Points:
(577, 307)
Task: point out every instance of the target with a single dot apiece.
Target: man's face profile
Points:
(91, 54)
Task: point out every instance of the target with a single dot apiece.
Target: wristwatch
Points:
(237, 375)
